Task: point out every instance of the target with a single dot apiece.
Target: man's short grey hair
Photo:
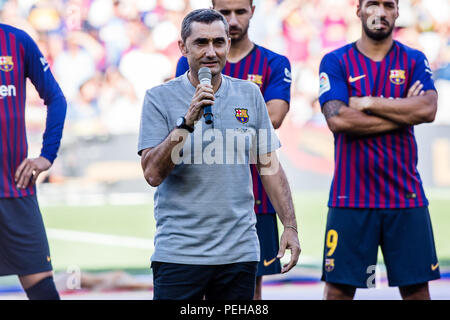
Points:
(207, 16)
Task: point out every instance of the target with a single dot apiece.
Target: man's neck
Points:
(215, 81)
(240, 49)
(373, 49)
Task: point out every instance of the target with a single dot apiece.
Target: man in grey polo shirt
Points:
(206, 243)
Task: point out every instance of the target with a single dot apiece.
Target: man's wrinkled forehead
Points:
(214, 2)
(361, 2)
(205, 32)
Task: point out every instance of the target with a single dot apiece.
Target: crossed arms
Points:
(385, 114)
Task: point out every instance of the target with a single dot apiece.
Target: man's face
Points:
(238, 14)
(207, 46)
(378, 18)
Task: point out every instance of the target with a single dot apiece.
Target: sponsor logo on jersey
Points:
(241, 115)
(329, 265)
(287, 75)
(44, 63)
(324, 83)
(397, 77)
(255, 78)
(427, 67)
(434, 266)
(7, 91)
(354, 79)
(6, 63)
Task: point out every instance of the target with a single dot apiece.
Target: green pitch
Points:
(120, 237)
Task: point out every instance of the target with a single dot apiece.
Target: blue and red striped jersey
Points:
(20, 58)
(272, 73)
(378, 171)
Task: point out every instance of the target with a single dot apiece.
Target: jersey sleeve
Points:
(422, 72)
(333, 85)
(279, 86)
(182, 66)
(38, 71)
(154, 126)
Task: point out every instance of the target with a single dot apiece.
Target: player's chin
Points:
(236, 37)
(379, 34)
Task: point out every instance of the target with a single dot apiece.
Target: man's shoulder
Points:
(338, 54)
(272, 56)
(167, 87)
(410, 52)
(20, 34)
(240, 83)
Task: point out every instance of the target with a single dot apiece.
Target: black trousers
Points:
(173, 281)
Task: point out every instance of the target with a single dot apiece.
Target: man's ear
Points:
(182, 47)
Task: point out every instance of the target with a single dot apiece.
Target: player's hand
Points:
(360, 103)
(29, 170)
(289, 240)
(416, 90)
(203, 96)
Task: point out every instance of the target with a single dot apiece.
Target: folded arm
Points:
(407, 111)
(342, 119)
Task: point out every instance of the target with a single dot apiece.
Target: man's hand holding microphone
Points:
(202, 100)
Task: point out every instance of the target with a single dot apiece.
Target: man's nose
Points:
(210, 52)
(380, 12)
(232, 20)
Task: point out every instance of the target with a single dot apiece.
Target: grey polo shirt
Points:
(204, 208)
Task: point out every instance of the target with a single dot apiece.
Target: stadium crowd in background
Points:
(106, 53)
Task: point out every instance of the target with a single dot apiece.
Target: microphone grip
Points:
(207, 114)
(207, 111)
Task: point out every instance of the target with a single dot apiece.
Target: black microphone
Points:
(204, 76)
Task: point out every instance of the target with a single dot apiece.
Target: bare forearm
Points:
(408, 111)
(277, 109)
(279, 192)
(158, 162)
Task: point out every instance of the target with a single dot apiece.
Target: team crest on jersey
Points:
(241, 115)
(6, 63)
(255, 78)
(397, 77)
(329, 265)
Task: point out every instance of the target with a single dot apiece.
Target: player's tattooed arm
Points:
(331, 108)
(342, 119)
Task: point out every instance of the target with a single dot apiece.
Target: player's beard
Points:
(238, 38)
(377, 35)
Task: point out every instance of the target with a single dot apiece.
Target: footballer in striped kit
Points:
(24, 249)
(373, 92)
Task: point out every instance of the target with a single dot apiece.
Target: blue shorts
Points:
(267, 229)
(351, 246)
(23, 243)
(173, 281)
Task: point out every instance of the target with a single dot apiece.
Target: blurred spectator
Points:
(119, 104)
(144, 66)
(83, 114)
(75, 64)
